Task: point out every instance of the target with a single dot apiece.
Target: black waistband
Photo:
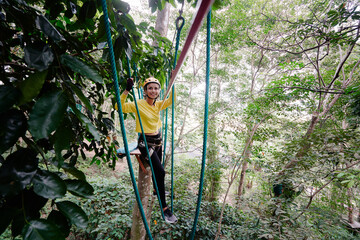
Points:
(152, 139)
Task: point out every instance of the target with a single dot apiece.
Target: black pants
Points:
(156, 156)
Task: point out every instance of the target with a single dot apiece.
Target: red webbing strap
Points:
(201, 13)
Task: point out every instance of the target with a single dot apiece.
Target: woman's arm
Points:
(168, 101)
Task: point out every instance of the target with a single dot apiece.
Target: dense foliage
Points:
(284, 118)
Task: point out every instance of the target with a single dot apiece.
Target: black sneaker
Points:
(169, 216)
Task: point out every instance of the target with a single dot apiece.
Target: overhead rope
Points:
(121, 118)
(206, 114)
(203, 9)
(180, 21)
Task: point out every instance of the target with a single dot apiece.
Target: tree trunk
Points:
(243, 169)
(162, 22)
(144, 182)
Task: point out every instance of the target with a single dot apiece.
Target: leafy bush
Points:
(109, 210)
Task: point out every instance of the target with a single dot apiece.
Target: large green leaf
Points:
(47, 114)
(38, 55)
(31, 87)
(42, 229)
(121, 6)
(88, 10)
(80, 67)
(79, 188)
(74, 213)
(81, 96)
(74, 171)
(17, 171)
(88, 125)
(63, 137)
(13, 125)
(9, 96)
(128, 23)
(60, 221)
(48, 28)
(49, 185)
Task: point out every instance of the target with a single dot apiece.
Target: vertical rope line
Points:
(146, 145)
(123, 131)
(136, 79)
(173, 107)
(166, 124)
(206, 114)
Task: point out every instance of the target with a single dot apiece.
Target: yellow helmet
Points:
(151, 80)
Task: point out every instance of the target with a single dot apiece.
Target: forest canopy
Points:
(283, 153)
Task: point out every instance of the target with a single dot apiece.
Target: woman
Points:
(149, 109)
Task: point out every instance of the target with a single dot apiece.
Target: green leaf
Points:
(31, 87)
(9, 96)
(88, 10)
(38, 55)
(128, 23)
(13, 125)
(79, 188)
(63, 137)
(74, 213)
(88, 125)
(60, 221)
(74, 171)
(80, 67)
(351, 184)
(49, 185)
(47, 28)
(42, 229)
(47, 114)
(121, 6)
(81, 96)
(17, 171)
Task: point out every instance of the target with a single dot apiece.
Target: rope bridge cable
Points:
(180, 21)
(117, 92)
(206, 113)
(204, 7)
(146, 145)
(166, 127)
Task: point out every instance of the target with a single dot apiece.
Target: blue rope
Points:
(206, 113)
(123, 131)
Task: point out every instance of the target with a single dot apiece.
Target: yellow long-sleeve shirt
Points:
(150, 114)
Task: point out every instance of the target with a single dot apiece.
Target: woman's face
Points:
(152, 90)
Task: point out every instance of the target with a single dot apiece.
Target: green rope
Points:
(179, 28)
(146, 145)
(117, 92)
(136, 79)
(166, 126)
(165, 123)
(206, 113)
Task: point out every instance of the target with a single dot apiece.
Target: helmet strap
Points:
(152, 98)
